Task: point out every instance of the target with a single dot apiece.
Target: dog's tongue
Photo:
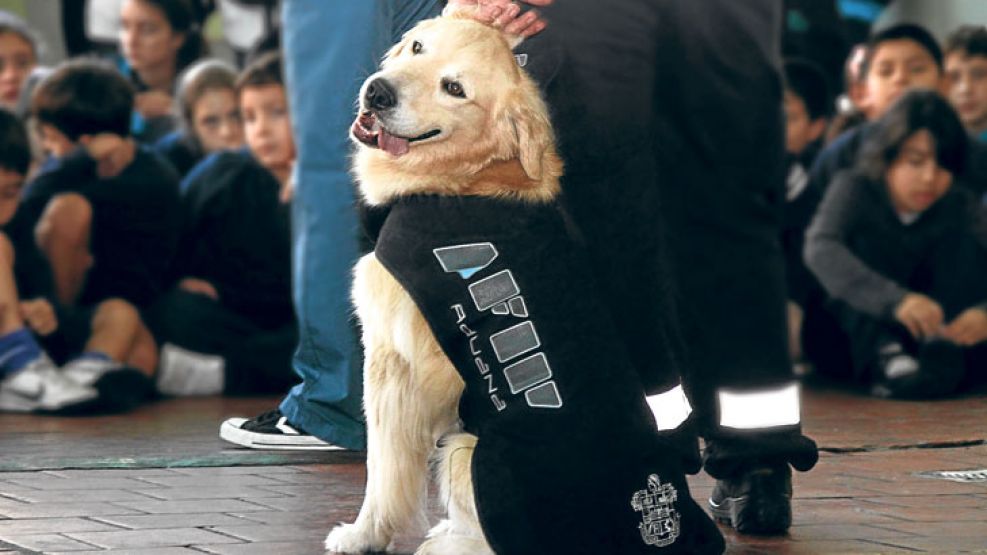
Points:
(395, 146)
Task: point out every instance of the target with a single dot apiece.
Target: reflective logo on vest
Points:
(500, 294)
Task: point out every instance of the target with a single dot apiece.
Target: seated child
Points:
(158, 40)
(807, 108)
(900, 251)
(107, 336)
(210, 118)
(18, 57)
(896, 60)
(229, 325)
(847, 112)
(966, 77)
(105, 213)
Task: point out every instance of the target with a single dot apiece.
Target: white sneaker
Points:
(120, 387)
(40, 386)
(88, 371)
(182, 372)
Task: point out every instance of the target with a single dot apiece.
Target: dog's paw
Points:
(445, 527)
(453, 544)
(352, 539)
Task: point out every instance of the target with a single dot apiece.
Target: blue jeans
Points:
(329, 49)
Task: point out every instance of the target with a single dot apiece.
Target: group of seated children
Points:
(889, 291)
(232, 296)
(109, 255)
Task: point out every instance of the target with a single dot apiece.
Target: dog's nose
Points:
(380, 95)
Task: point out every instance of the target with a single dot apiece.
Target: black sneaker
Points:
(896, 374)
(936, 371)
(758, 501)
(271, 430)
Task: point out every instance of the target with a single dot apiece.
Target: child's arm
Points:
(969, 328)
(39, 315)
(845, 276)
(111, 152)
(922, 315)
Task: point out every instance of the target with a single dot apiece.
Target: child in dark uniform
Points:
(102, 214)
(210, 117)
(229, 325)
(31, 327)
(807, 108)
(158, 39)
(900, 250)
(106, 213)
(966, 77)
(896, 59)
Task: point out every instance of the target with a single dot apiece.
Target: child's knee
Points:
(67, 218)
(118, 314)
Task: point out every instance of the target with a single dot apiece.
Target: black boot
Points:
(755, 501)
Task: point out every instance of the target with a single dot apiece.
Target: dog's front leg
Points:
(460, 533)
(398, 447)
(410, 397)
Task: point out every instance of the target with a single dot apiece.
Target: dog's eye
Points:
(416, 47)
(454, 88)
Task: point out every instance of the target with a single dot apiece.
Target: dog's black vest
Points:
(568, 460)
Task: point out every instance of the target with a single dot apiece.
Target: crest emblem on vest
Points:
(661, 523)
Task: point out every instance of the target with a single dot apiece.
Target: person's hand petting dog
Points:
(504, 14)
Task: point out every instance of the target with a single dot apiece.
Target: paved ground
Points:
(159, 481)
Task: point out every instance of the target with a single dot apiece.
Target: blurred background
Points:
(232, 27)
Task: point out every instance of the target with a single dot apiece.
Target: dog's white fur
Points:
(495, 142)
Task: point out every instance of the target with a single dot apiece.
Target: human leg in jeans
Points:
(330, 48)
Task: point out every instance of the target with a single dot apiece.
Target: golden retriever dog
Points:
(470, 122)
(479, 317)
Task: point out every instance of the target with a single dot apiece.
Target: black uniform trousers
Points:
(668, 115)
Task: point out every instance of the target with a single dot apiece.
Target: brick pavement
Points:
(159, 482)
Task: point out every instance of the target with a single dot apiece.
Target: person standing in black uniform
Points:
(669, 119)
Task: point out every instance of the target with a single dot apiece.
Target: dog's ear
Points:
(461, 11)
(476, 13)
(394, 50)
(528, 118)
(513, 40)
